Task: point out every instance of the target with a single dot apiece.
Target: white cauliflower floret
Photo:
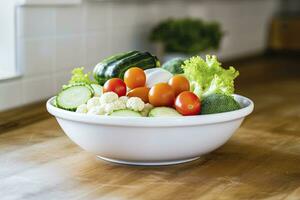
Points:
(147, 108)
(82, 108)
(96, 110)
(95, 101)
(108, 97)
(124, 99)
(116, 105)
(135, 103)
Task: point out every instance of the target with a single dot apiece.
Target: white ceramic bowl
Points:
(151, 141)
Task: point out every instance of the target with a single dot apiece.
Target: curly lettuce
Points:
(78, 76)
(208, 77)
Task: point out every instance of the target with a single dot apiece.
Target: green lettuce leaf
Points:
(208, 77)
(78, 76)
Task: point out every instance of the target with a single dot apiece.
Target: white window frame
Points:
(8, 40)
(8, 67)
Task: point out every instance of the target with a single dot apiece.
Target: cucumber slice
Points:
(126, 113)
(72, 97)
(97, 90)
(54, 102)
(164, 112)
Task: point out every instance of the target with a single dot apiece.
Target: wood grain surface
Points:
(261, 161)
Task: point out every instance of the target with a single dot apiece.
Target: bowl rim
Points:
(247, 108)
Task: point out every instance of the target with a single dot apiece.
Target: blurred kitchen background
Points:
(42, 40)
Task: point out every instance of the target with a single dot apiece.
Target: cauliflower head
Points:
(124, 99)
(116, 105)
(96, 110)
(92, 102)
(108, 97)
(147, 108)
(135, 104)
(82, 108)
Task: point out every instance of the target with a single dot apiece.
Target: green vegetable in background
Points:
(208, 77)
(217, 103)
(187, 35)
(174, 65)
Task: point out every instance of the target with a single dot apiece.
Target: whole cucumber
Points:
(115, 66)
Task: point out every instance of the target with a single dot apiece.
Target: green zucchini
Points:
(101, 67)
(174, 65)
(115, 66)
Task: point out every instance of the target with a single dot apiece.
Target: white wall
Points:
(51, 40)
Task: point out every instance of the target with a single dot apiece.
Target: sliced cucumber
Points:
(79, 84)
(54, 101)
(126, 113)
(164, 112)
(73, 96)
(97, 90)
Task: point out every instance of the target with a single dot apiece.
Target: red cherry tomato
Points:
(115, 85)
(187, 103)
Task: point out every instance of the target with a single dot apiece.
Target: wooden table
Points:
(261, 161)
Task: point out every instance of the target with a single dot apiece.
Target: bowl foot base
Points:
(125, 162)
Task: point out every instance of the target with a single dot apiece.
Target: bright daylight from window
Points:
(7, 40)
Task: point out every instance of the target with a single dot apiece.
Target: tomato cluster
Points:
(175, 93)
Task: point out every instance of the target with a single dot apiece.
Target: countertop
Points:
(261, 161)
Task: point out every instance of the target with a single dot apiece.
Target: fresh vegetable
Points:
(218, 103)
(148, 71)
(161, 94)
(98, 90)
(126, 113)
(141, 92)
(135, 77)
(95, 101)
(124, 99)
(208, 77)
(108, 97)
(82, 108)
(135, 104)
(147, 108)
(54, 102)
(78, 76)
(113, 106)
(179, 84)
(204, 87)
(96, 110)
(187, 35)
(187, 103)
(73, 96)
(157, 75)
(115, 85)
(100, 69)
(174, 65)
(115, 66)
(109, 103)
(164, 112)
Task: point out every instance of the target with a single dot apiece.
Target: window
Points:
(7, 40)
(8, 61)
